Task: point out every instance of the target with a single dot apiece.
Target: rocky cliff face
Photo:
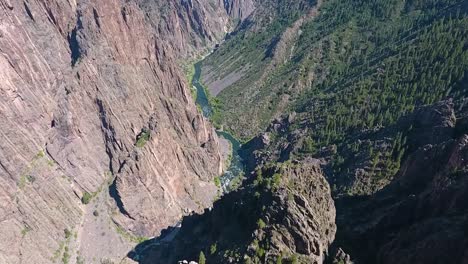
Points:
(91, 96)
(240, 9)
(284, 213)
(189, 27)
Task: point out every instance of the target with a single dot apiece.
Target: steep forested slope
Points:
(364, 63)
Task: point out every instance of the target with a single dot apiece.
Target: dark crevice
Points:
(96, 18)
(74, 47)
(5, 169)
(118, 200)
(28, 11)
(108, 132)
(122, 165)
(73, 42)
(124, 15)
(51, 16)
(109, 137)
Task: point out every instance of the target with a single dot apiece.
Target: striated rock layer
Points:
(91, 94)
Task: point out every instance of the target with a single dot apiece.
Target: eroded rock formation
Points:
(283, 212)
(92, 94)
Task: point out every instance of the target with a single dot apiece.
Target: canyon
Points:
(233, 131)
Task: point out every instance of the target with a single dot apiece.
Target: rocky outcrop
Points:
(369, 159)
(266, 147)
(398, 189)
(341, 257)
(419, 217)
(286, 213)
(90, 92)
(239, 9)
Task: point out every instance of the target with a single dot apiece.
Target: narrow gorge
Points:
(233, 131)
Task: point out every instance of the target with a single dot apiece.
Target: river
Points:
(236, 167)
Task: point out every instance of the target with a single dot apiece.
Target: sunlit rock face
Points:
(92, 94)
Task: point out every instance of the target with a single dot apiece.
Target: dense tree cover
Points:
(380, 61)
(359, 64)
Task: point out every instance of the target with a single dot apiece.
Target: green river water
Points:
(236, 167)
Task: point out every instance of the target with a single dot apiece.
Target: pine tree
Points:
(201, 258)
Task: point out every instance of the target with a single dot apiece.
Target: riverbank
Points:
(235, 168)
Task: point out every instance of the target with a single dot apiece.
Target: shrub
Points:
(276, 180)
(68, 233)
(261, 224)
(25, 230)
(86, 198)
(217, 182)
(213, 249)
(142, 138)
(66, 256)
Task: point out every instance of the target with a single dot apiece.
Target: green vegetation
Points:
(189, 71)
(67, 233)
(294, 259)
(58, 252)
(215, 104)
(269, 182)
(358, 65)
(217, 181)
(308, 146)
(25, 231)
(27, 175)
(201, 258)
(86, 198)
(260, 250)
(382, 60)
(236, 182)
(213, 249)
(261, 224)
(79, 260)
(249, 51)
(142, 138)
(40, 154)
(276, 180)
(63, 249)
(66, 256)
(279, 260)
(129, 237)
(25, 179)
